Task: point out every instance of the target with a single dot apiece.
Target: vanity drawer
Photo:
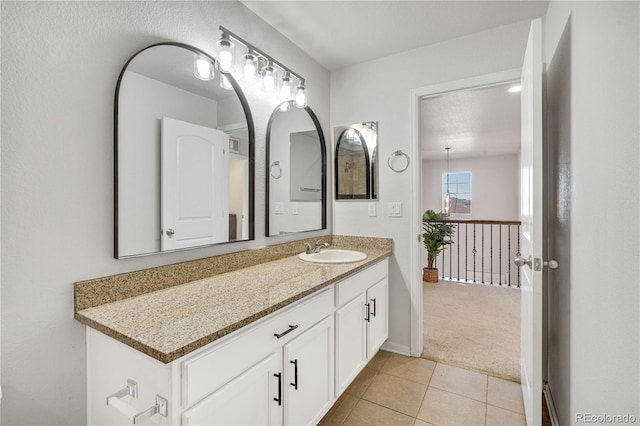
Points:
(351, 287)
(211, 369)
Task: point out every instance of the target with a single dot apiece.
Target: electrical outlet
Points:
(371, 209)
(394, 209)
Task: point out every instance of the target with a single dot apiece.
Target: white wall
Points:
(60, 64)
(379, 90)
(494, 179)
(594, 355)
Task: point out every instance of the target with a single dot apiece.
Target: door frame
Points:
(484, 80)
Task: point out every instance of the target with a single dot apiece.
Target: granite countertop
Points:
(170, 323)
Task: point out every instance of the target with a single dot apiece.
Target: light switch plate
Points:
(394, 209)
(278, 207)
(371, 209)
(294, 208)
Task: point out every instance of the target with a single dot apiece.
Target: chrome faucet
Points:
(318, 246)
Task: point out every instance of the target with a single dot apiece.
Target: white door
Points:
(351, 342)
(378, 324)
(195, 185)
(309, 375)
(531, 211)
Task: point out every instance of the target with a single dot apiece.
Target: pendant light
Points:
(447, 198)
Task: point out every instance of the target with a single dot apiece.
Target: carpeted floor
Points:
(473, 326)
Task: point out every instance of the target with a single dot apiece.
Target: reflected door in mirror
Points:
(159, 83)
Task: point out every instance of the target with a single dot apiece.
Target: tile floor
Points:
(399, 390)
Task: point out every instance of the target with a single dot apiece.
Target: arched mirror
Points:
(356, 164)
(296, 171)
(184, 154)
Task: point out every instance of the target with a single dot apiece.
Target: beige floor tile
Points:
(499, 416)
(361, 383)
(415, 369)
(419, 422)
(368, 414)
(395, 393)
(462, 382)
(378, 360)
(505, 394)
(444, 408)
(339, 411)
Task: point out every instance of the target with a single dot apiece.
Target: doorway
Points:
(478, 207)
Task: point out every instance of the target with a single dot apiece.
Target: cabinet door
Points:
(378, 325)
(252, 398)
(351, 342)
(308, 363)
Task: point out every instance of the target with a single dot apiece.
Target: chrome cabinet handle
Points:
(368, 317)
(279, 398)
(295, 374)
(291, 328)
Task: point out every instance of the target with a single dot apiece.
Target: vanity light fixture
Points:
(225, 53)
(269, 78)
(225, 83)
(250, 67)
(203, 69)
(301, 95)
(286, 86)
(250, 64)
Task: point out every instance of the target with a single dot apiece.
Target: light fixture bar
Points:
(261, 53)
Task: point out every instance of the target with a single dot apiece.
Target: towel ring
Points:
(398, 153)
(278, 172)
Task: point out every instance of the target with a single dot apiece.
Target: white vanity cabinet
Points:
(284, 369)
(362, 321)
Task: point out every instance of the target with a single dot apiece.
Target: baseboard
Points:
(396, 348)
(551, 405)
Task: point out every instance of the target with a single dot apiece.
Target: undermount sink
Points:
(333, 256)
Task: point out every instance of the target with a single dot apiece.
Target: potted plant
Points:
(437, 236)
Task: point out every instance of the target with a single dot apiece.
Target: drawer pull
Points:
(373, 313)
(295, 374)
(291, 328)
(279, 398)
(368, 317)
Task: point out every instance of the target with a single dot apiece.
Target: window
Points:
(458, 185)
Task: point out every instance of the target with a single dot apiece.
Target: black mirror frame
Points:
(323, 153)
(250, 129)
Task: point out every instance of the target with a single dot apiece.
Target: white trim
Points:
(416, 95)
(396, 348)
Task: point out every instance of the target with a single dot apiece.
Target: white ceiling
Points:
(472, 123)
(343, 33)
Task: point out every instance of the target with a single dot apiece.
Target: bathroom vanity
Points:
(274, 343)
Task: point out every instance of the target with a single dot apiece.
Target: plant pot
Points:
(430, 275)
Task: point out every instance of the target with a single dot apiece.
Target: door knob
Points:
(521, 261)
(170, 232)
(551, 264)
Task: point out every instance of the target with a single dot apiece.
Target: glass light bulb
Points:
(285, 88)
(269, 77)
(225, 83)
(285, 106)
(249, 69)
(301, 96)
(226, 60)
(203, 69)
